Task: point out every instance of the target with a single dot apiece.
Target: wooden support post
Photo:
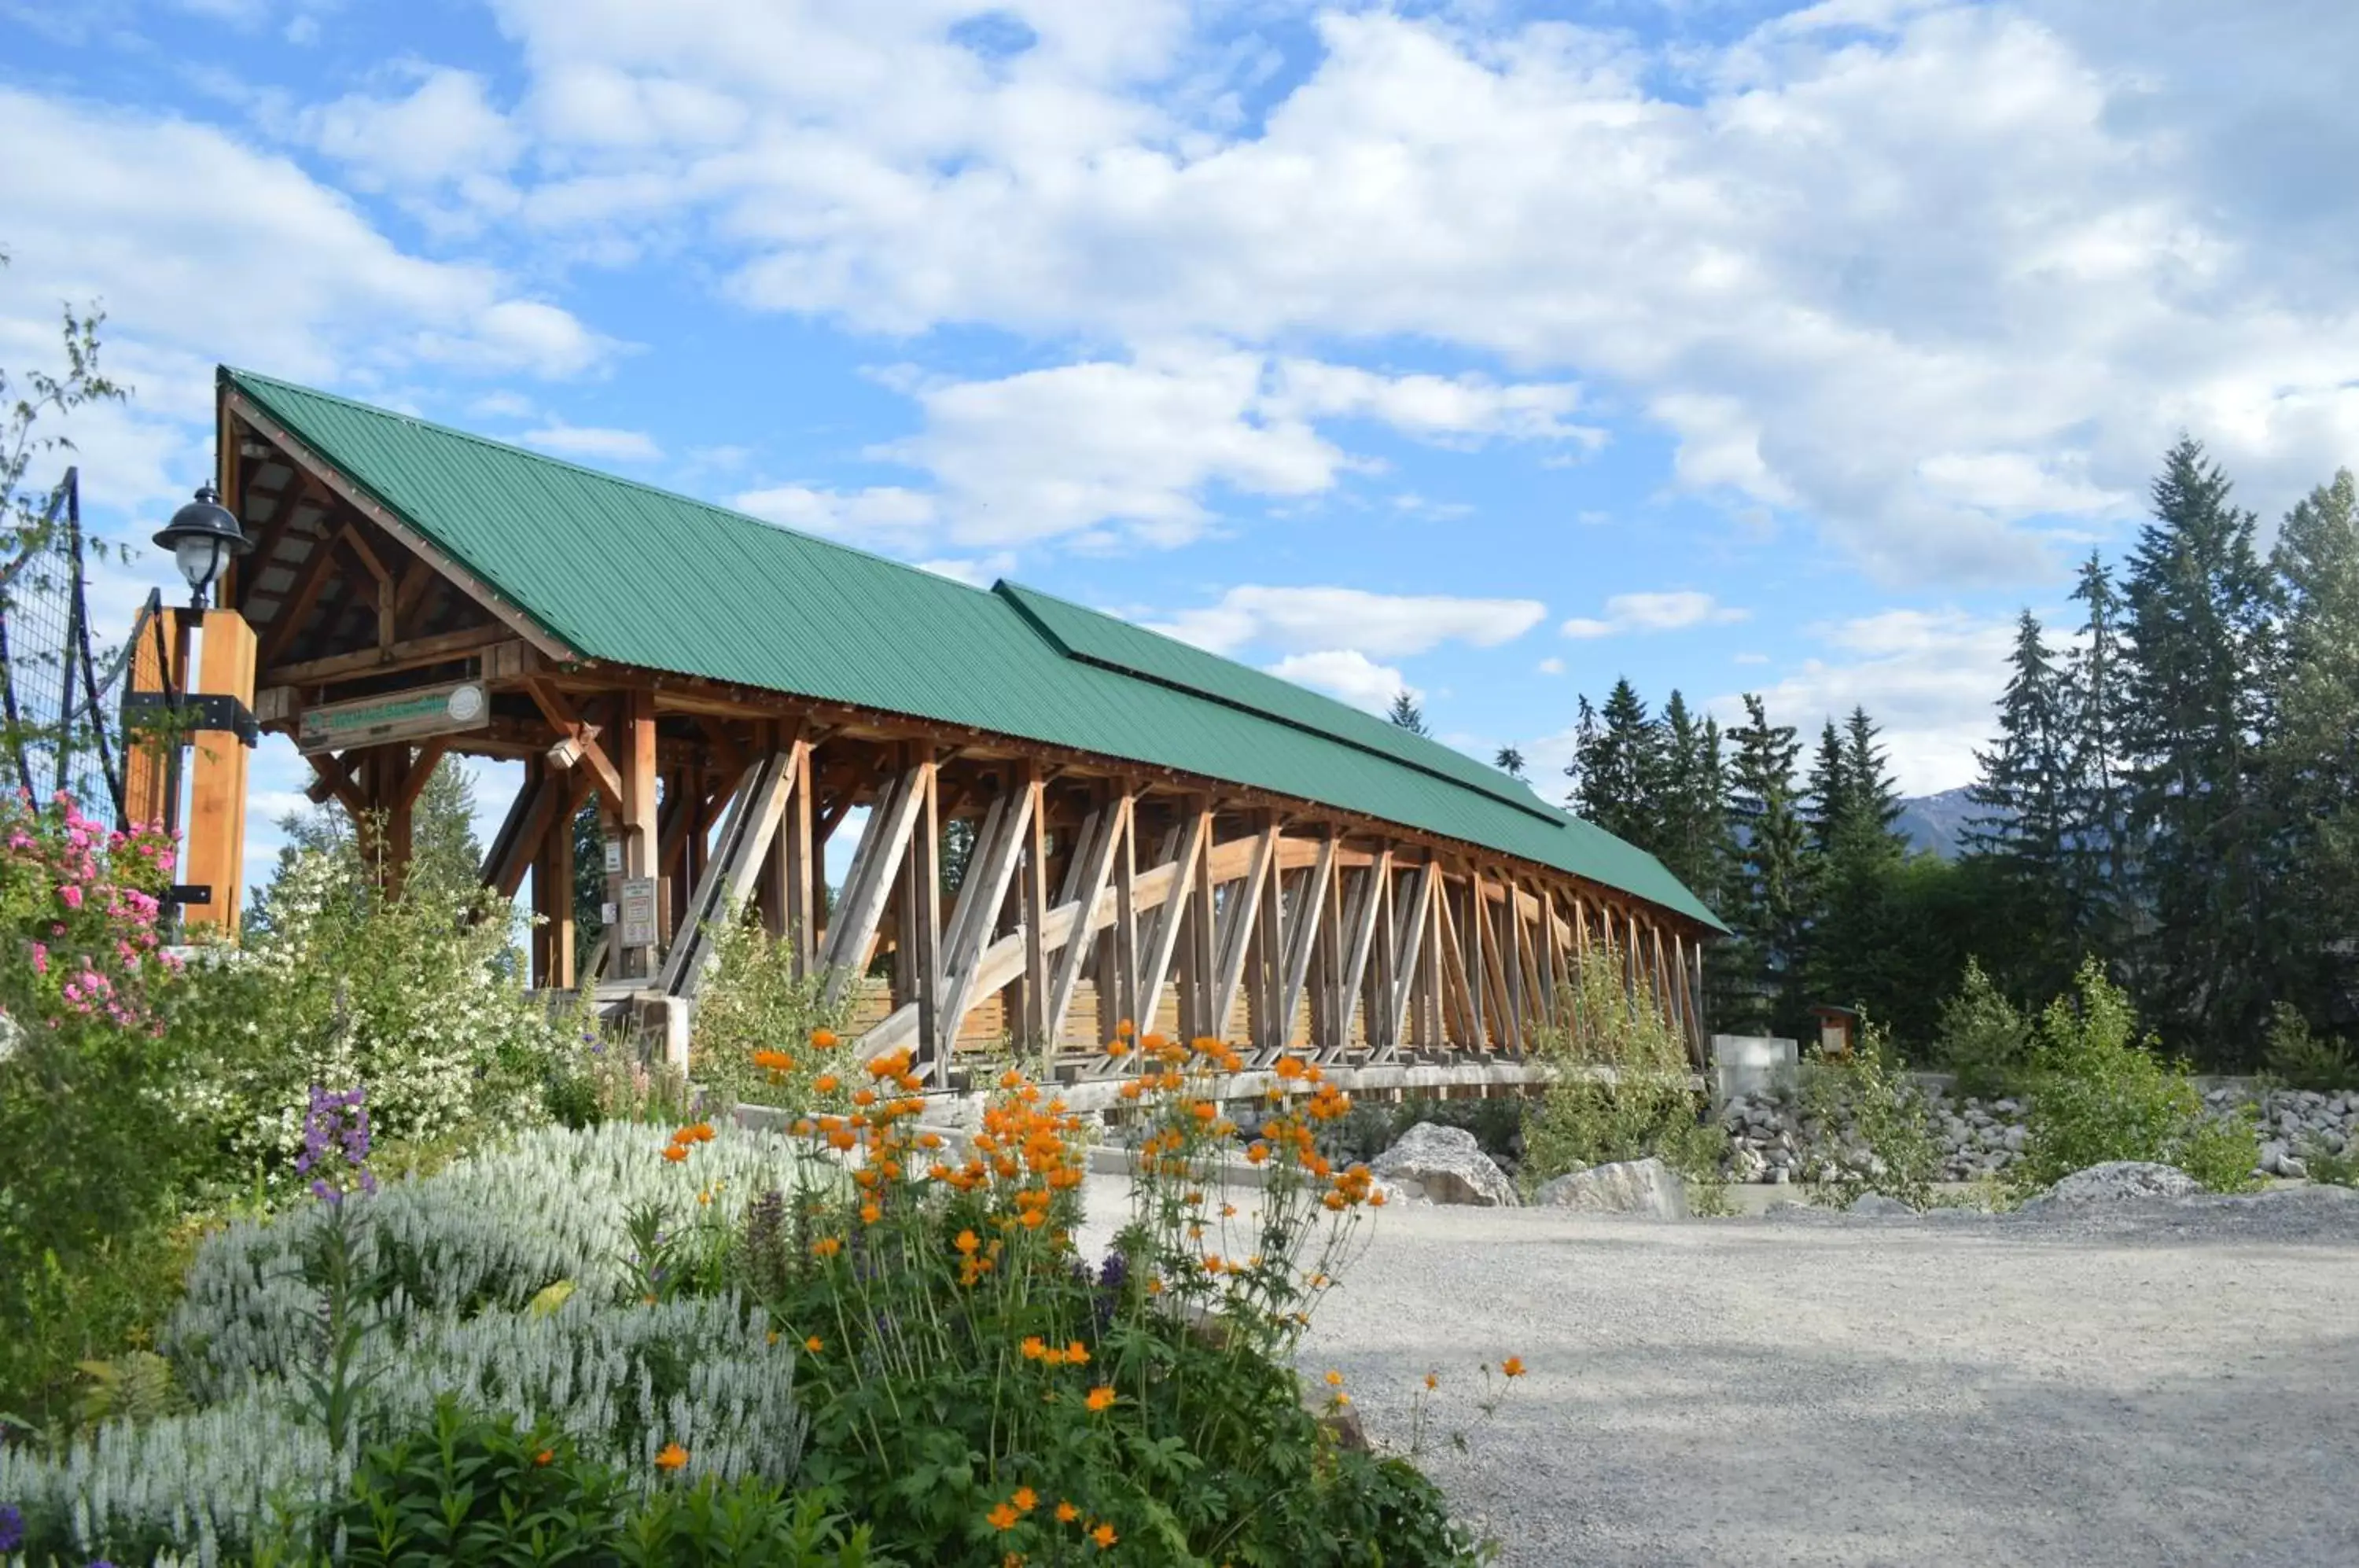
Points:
(1367, 918)
(1155, 969)
(1416, 963)
(1239, 923)
(1199, 960)
(868, 883)
(148, 773)
(1121, 999)
(1007, 829)
(1033, 910)
(922, 895)
(1311, 905)
(634, 758)
(216, 836)
(1092, 869)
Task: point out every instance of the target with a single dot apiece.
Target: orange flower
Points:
(1104, 1536)
(1067, 1513)
(675, 1153)
(1513, 1366)
(823, 1040)
(1431, 1382)
(1334, 1380)
(1077, 1355)
(672, 1457)
(1035, 1348)
(1026, 1499)
(870, 1214)
(1101, 1396)
(966, 1242)
(1123, 1029)
(864, 1098)
(814, 1344)
(826, 1082)
(544, 1456)
(826, 1246)
(1003, 1518)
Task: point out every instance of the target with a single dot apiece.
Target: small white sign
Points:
(613, 858)
(606, 913)
(638, 921)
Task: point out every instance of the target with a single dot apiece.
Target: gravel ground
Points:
(2157, 1384)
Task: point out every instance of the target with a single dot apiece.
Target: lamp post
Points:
(203, 538)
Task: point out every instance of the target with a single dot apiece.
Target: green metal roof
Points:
(634, 575)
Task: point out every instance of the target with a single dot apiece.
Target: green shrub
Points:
(1984, 1038)
(2100, 1093)
(416, 996)
(2302, 1059)
(1619, 1089)
(752, 1002)
(1877, 1128)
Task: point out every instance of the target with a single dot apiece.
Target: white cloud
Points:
(590, 441)
(1143, 443)
(1550, 666)
(1654, 612)
(1348, 674)
(286, 276)
(1930, 678)
(881, 509)
(1928, 274)
(1306, 620)
(1750, 659)
(444, 130)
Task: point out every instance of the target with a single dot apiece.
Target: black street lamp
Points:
(203, 538)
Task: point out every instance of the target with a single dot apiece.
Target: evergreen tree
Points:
(2026, 793)
(1408, 714)
(1694, 843)
(2312, 759)
(2097, 845)
(1851, 957)
(442, 837)
(1832, 805)
(2200, 619)
(1618, 767)
(1767, 899)
(1509, 761)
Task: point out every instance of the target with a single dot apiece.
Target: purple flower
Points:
(12, 1527)
(336, 1143)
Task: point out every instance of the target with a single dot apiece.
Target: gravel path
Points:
(2153, 1384)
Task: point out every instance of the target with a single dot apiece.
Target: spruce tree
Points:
(2097, 845)
(1408, 714)
(1875, 795)
(1850, 956)
(1767, 899)
(1694, 843)
(1618, 767)
(2025, 831)
(2200, 621)
(1509, 761)
(2313, 758)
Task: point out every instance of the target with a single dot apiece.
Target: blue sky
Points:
(1484, 349)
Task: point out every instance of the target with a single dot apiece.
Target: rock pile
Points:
(1770, 1141)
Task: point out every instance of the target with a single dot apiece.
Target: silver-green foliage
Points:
(462, 1255)
(492, 1231)
(196, 1486)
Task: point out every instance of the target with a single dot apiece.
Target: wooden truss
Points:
(997, 888)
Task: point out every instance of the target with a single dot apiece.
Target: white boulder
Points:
(1646, 1187)
(1447, 1166)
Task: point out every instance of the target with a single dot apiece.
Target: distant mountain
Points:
(1937, 823)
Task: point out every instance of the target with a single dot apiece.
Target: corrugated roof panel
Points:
(634, 575)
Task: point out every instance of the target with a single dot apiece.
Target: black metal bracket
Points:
(188, 893)
(203, 711)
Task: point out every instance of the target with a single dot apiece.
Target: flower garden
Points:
(337, 1248)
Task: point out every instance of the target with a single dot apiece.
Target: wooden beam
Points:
(920, 958)
(387, 658)
(981, 894)
(1155, 968)
(1033, 912)
(1102, 839)
(1414, 913)
(421, 770)
(538, 804)
(1310, 906)
(1366, 914)
(567, 722)
(868, 882)
(1239, 922)
(286, 620)
(326, 474)
(756, 809)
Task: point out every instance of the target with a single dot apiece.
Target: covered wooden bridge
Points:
(1144, 830)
